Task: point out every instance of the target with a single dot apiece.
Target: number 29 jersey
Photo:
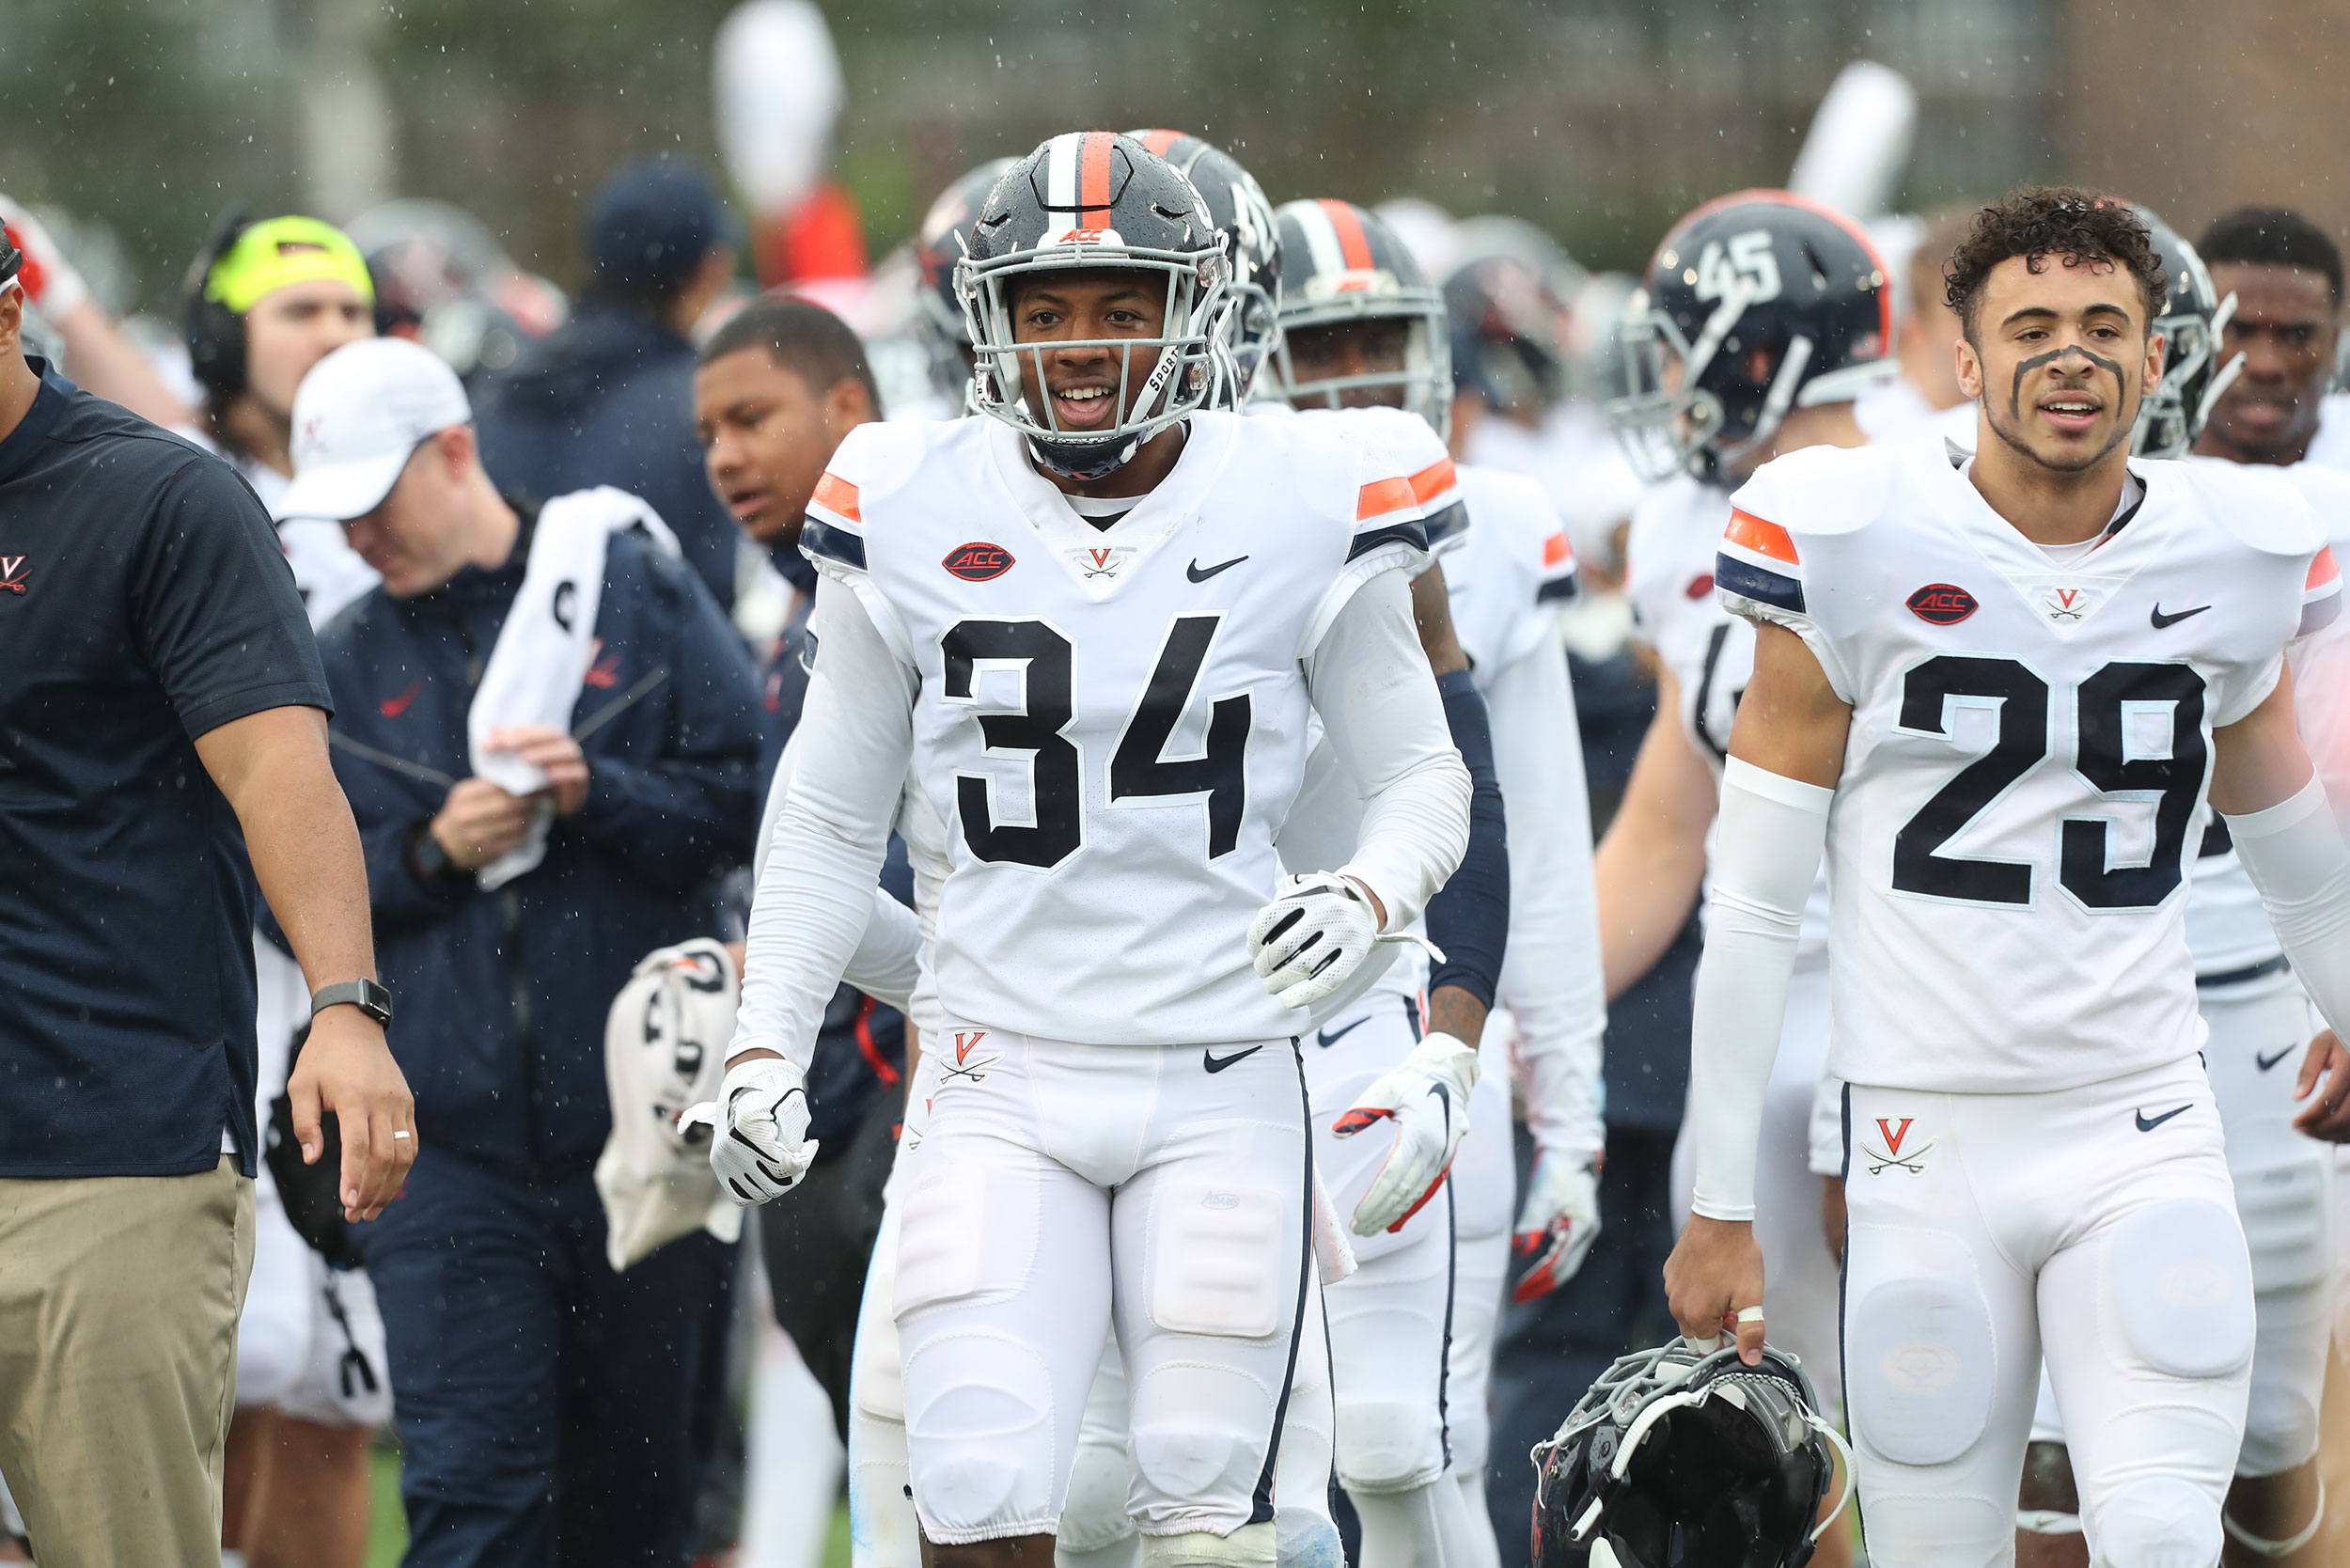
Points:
(1111, 723)
(2029, 749)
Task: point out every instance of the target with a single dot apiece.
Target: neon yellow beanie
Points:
(276, 251)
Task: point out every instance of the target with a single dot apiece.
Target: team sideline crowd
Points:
(1331, 893)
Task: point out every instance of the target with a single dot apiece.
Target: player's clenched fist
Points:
(1426, 1097)
(762, 1148)
(1312, 936)
(1714, 1284)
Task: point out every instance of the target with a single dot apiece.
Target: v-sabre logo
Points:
(12, 574)
(966, 1064)
(1894, 1134)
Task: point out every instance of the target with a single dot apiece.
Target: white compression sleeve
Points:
(1766, 852)
(889, 958)
(816, 892)
(2294, 854)
(1370, 681)
(1550, 977)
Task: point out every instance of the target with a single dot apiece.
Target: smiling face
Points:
(2285, 327)
(2059, 358)
(1075, 389)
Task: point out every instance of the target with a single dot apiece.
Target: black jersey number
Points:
(1220, 772)
(2101, 756)
(1136, 768)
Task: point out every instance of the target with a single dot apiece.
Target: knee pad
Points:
(1200, 1431)
(2280, 1423)
(1306, 1540)
(1918, 1363)
(1386, 1447)
(1250, 1546)
(2183, 1288)
(1095, 1515)
(2157, 1523)
(979, 1434)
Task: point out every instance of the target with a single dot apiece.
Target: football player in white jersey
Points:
(1115, 1128)
(1096, 1530)
(1361, 329)
(1801, 293)
(2019, 676)
(2259, 1026)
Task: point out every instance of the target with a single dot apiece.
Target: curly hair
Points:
(2037, 222)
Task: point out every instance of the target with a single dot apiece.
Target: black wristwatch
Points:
(368, 995)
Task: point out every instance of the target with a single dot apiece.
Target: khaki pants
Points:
(119, 1303)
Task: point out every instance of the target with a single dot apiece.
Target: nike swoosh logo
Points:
(2146, 1126)
(1200, 575)
(1329, 1037)
(392, 707)
(2162, 620)
(1214, 1063)
(2267, 1062)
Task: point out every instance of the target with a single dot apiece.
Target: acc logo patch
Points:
(977, 563)
(12, 574)
(1942, 603)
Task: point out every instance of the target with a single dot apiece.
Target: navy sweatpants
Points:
(552, 1412)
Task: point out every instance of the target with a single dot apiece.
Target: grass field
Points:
(389, 1537)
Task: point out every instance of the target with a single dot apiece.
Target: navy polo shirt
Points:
(144, 601)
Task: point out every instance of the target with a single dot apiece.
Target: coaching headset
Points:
(244, 261)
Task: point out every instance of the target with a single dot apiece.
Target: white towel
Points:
(542, 656)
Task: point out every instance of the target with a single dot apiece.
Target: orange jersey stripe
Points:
(1382, 496)
(1434, 480)
(2322, 569)
(838, 494)
(1093, 179)
(1354, 245)
(1763, 539)
(1556, 552)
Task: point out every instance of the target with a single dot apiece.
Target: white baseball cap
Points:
(358, 416)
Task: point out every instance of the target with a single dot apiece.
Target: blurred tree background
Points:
(1598, 119)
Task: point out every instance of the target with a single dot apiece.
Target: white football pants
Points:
(2284, 1194)
(2095, 1225)
(1061, 1185)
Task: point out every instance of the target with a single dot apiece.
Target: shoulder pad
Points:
(1831, 489)
(2260, 506)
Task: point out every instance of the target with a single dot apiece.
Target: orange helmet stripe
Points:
(1093, 179)
(1354, 244)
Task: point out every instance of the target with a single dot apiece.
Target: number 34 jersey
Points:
(1111, 723)
(2023, 786)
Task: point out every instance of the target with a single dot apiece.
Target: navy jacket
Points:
(609, 399)
(499, 998)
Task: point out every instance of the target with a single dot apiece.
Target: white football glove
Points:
(761, 1148)
(1427, 1096)
(1311, 937)
(50, 281)
(1559, 1222)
